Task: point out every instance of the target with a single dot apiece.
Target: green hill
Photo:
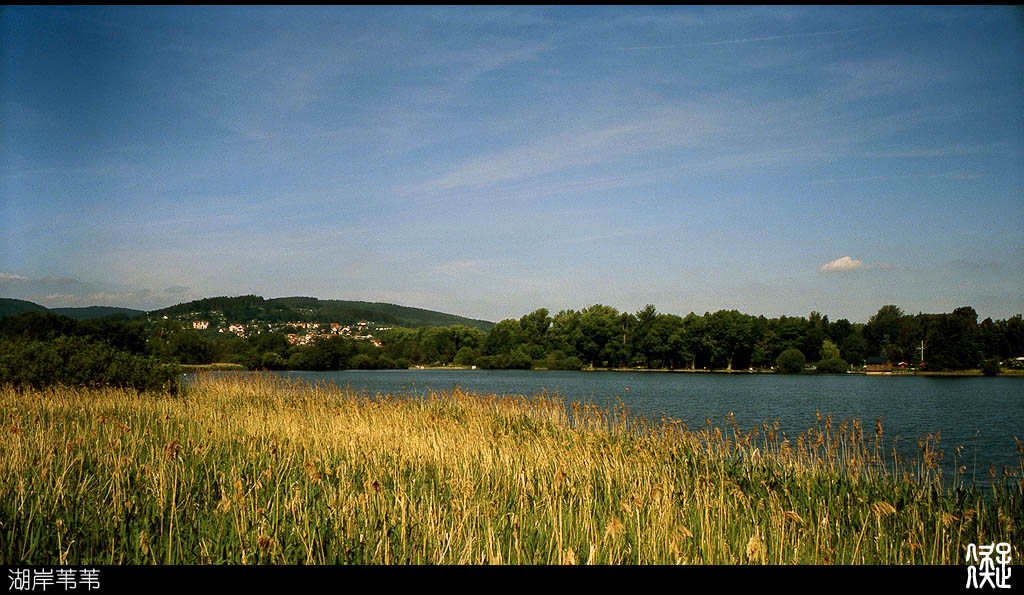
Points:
(10, 307)
(248, 308)
(93, 312)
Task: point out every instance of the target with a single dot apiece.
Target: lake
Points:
(981, 414)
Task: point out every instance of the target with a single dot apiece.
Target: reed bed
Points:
(257, 469)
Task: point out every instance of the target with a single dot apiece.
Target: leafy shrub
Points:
(363, 361)
(833, 365)
(77, 361)
(466, 356)
(791, 361)
(991, 367)
(492, 362)
(272, 360)
(386, 363)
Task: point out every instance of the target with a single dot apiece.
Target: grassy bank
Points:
(257, 469)
(217, 367)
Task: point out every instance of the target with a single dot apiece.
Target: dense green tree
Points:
(790, 333)
(264, 342)
(854, 348)
(598, 326)
(695, 341)
(364, 361)
(403, 343)
(1012, 337)
(502, 338)
(661, 342)
(991, 367)
(272, 361)
(534, 326)
(563, 332)
(791, 361)
(952, 341)
(765, 352)
(833, 365)
(628, 323)
(839, 330)
(671, 333)
(884, 328)
(187, 347)
(893, 353)
(730, 334)
(465, 336)
(466, 356)
(829, 350)
(644, 347)
(814, 337)
(438, 345)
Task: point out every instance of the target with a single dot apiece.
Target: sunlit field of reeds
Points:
(246, 469)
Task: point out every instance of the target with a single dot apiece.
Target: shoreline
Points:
(227, 367)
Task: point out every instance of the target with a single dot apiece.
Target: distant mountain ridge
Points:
(251, 308)
(10, 307)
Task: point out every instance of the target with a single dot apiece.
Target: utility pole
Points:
(921, 349)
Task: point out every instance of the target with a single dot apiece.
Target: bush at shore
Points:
(79, 361)
(833, 366)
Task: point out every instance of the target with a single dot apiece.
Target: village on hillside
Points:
(297, 333)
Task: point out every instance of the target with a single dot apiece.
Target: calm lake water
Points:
(982, 414)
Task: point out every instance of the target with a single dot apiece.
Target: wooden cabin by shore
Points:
(878, 365)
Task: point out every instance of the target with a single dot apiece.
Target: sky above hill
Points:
(491, 161)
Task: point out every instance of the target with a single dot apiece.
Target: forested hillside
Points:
(245, 309)
(10, 307)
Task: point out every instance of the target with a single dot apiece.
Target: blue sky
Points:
(491, 161)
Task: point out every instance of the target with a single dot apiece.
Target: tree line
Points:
(34, 347)
(601, 336)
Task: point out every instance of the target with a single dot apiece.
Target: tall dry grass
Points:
(247, 469)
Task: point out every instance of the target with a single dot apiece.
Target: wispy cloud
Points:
(781, 37)
(128, 299)
(457, 268)
(56, 292)
(604, 141)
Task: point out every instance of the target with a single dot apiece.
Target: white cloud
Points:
(843, 264)
(100, 298)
